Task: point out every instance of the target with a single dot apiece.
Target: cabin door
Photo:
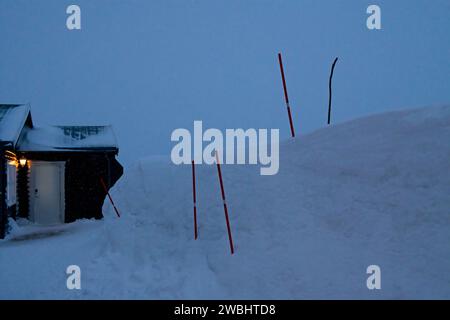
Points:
(47, 192)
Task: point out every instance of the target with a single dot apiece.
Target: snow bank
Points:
(370, 191)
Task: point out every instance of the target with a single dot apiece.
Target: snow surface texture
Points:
(370, 191)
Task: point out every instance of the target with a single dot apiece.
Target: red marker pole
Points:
(109, 196)
(224, 204)
(286, 98)
(195, 200)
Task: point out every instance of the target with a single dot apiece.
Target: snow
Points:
(370, 191)
(12, 119)
(53, 138)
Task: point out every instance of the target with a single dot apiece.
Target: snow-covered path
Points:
(371, 191)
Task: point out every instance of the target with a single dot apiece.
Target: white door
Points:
(47, 192)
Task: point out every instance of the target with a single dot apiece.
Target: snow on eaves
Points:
(67, 138)
(12, 120)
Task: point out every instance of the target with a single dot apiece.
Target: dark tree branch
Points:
(329, 90)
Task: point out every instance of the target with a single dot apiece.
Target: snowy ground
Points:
(371, 191)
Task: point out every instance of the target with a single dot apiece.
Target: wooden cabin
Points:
(56, 174)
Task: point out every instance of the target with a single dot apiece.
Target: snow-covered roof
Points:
(14, 131)
(68, 138)
(12, 120)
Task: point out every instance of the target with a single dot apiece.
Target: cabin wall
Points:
(22, 192)
(84, 193)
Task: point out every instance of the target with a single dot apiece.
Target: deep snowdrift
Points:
(370, 191)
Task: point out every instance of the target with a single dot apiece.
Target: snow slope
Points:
(371, 191)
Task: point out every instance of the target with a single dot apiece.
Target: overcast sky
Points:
(149, 67)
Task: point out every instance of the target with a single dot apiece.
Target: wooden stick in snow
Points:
(109, 196)
(286, 98)
(329, 90)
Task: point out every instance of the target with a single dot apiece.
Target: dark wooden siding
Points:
(22, 192)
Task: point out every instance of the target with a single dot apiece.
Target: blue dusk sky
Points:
(149, 67)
